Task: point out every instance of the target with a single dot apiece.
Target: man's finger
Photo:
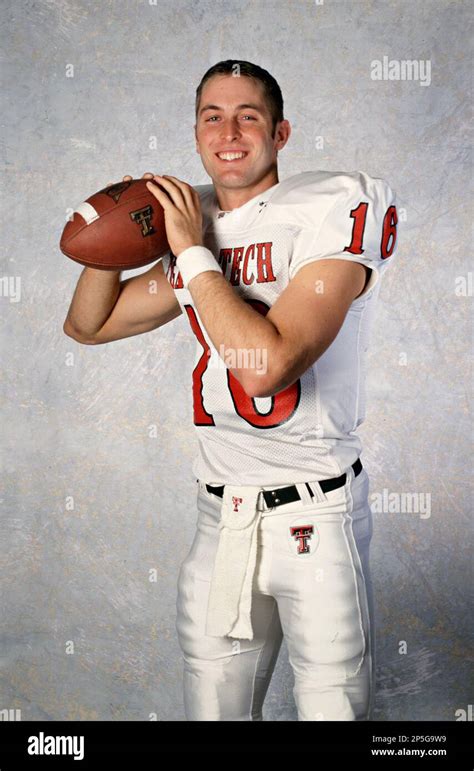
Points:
(183, 187)
(174, 191)
(160, 195)
(187, 191)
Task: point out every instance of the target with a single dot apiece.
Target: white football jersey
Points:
(306, 431)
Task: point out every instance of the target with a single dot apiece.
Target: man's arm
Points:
(296, 331)
(303, 322)
(104, 309)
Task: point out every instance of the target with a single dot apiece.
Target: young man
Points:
(279, 282)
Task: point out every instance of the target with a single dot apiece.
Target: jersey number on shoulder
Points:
(389, 230)
(283, 404)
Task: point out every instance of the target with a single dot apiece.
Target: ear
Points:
(283, 133)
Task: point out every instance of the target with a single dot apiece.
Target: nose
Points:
(230, 129)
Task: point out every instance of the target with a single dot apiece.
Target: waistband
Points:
(282, 495)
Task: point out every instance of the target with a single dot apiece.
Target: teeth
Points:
(231, 156)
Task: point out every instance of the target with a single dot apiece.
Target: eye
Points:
(212, 118)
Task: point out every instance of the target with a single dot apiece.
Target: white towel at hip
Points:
(230, 597)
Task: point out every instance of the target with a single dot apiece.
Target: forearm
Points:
(94, 298)
(238, 332)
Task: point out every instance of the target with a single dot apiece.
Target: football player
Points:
(279, 282)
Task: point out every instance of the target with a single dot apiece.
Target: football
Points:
(120, 227)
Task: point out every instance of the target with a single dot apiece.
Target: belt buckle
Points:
(274, 502)
(269, 506)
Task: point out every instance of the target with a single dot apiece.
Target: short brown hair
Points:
(271, 89)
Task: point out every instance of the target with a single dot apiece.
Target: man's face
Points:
(233, 116)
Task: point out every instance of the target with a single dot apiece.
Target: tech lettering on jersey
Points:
(244, 265)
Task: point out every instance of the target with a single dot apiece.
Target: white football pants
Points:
(319, 599)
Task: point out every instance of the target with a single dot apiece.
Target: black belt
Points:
(289, 494)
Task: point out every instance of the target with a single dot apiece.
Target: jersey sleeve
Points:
(355, 221)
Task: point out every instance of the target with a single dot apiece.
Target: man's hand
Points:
(183, 217)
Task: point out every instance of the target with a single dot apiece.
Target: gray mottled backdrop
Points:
(97, 442)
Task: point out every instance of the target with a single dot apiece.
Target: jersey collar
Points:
(237, 215)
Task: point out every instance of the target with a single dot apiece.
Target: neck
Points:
(229, 198)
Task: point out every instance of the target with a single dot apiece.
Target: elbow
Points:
(261, 386)
(251, 383)
(255, 391)
(72, 332)
(266, 380)
(275, 374)
(274, 381)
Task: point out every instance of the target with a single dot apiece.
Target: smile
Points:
(231, 157)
